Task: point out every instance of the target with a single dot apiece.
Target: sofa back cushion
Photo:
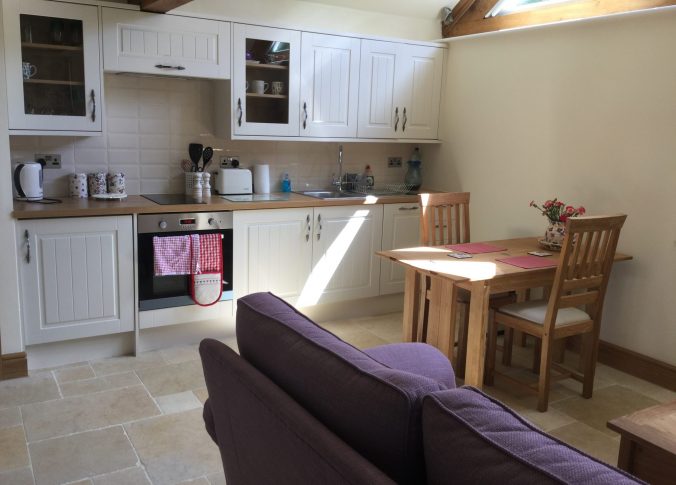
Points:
(372, 407)
(475, 439)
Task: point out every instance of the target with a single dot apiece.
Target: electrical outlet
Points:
(230, 161)
(52, 160)
(394, 162)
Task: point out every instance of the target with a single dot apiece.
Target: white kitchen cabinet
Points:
(399, 90)
(401, 229)
(53, 67)
(272, 251)
(329, 92)
(308, 256)
(170, 45)
(265, 81)
(76, 277)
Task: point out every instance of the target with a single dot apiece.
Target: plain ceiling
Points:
(426, 9)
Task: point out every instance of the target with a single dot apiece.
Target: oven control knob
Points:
(163, 224)
(212, 221)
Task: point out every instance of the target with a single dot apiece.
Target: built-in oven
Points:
(157, 292)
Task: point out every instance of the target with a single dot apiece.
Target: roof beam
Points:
(159, 6)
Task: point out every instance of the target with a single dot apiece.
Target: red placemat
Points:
(475, 248)
(529, 262)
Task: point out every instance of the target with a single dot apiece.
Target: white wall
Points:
(585, 111)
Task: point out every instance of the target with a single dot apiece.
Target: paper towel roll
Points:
(261, 179)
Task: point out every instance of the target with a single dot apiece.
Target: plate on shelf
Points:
(109, 196)
(549, 245)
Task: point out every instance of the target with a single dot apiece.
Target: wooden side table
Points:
(648, 443)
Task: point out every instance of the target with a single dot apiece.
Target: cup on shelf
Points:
(96, 183)
(78, 185)
(259, 87)
(116, 183)
(277, 87)
(28, 70)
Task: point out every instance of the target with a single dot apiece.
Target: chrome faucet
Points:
(339, 182)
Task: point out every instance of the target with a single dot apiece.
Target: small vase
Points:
(555, 233)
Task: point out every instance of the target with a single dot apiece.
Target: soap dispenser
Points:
(286, 183)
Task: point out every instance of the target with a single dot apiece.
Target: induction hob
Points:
(173, 199)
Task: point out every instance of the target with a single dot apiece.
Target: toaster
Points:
(234, 181)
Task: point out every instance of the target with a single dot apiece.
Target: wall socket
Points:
(394, 162)
(52, 160)
(231, 161)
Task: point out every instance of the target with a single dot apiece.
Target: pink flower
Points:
(570, 210)
(563, 218)
(581, 210)
(559, 204)
(547, 204)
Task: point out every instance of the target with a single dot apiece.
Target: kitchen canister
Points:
(78, 185)
(261, 179)
(116, 183)
(96, 182)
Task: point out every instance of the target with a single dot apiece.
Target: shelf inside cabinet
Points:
(53, 82)
(51, 47)
(266, 96)
(267, 67)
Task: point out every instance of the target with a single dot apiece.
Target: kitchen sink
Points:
(331, 194)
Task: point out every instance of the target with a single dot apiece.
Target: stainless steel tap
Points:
(339, 182)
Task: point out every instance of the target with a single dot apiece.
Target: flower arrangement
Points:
(557, 211)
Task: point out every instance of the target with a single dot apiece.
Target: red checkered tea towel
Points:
(211, 251)
(176, 255)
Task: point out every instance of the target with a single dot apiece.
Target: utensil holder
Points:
(192, 179)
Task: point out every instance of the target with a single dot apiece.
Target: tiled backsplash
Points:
(150, 122)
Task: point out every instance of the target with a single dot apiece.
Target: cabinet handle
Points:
(319, 227)
(305, 115)
(403, 126)
(27, 240)
(92, 95)
(412, 208)
(239, 112)
(168, 67)
(396, 118)
(308, 228)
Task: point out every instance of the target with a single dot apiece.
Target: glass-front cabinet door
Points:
(53, 66)
(265, 81)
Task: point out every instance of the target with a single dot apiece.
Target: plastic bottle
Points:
(286, 183)
(413, 177)
(369, 180)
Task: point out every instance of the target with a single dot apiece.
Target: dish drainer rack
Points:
(384, 189)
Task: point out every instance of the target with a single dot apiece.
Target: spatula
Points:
(195, 151)
(206, 158)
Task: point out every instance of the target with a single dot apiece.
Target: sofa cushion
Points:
(374, 408)
(417, 358)
(465, 430)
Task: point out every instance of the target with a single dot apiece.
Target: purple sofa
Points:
(302, 406)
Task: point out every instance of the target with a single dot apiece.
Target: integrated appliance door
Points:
(157, 292)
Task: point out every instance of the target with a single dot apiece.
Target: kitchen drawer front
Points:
(165, 44)
(401, 229)
(76, 277)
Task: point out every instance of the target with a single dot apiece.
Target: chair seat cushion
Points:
(417, 358)
(472, 438)
(534, 311)
(373, 407)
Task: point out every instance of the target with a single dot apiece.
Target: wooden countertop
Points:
(135, 204)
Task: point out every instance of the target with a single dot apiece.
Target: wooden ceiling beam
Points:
(159, 6)
(471, 16)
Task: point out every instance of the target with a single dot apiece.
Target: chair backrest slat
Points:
(444, 218)
(585, 263)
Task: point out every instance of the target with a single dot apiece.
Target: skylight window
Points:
(504, 7)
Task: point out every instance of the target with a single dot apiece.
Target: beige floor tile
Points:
(217, 479)
(591, 441)
(549, 420)
(131, 476)
(13, 451)
(388, 327)
(184, 353)
(24, 390)
(360, 338)
(116, 365)
(74, 374)
(606, 404)
(18, 476)
(202, 394)
(170, 379)
(10, 417)
(197, 481)
(232, 343)
(651, 390)
(175, 447)
(82, 455)
(81, 413)
(98, 384)
(176, 403)
(86, 481)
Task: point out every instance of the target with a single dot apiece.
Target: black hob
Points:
(173, 199)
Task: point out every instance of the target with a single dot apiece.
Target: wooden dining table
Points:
(481, 275)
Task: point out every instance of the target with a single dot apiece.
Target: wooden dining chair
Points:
(581, 280)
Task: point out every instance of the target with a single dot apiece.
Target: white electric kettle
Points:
(28, 181)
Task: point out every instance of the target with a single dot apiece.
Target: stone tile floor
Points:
(137, 420)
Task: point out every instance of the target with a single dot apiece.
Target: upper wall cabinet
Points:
(329, 86)
(265, 81)
(53, 68)
(165, 44)
(400, 90)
